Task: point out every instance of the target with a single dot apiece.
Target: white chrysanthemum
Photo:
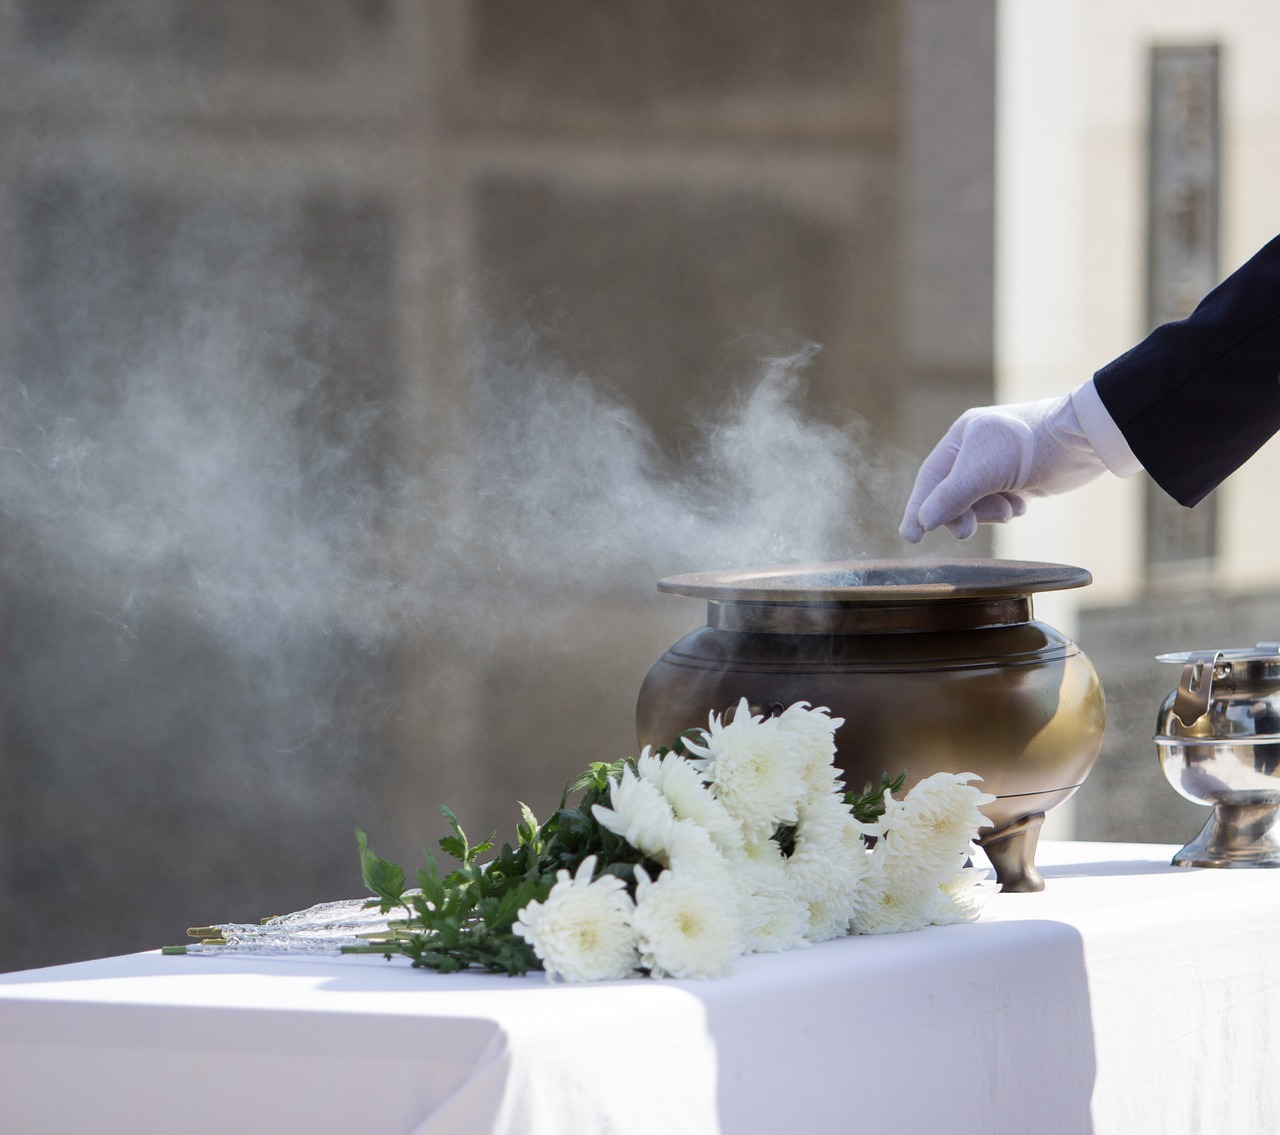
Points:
(917, 862)
(759, 855)
(639, 813)
(691, 848)
(814, 872)
(827, 879)
(773, 916)
(944, 806)
(962, 897)
(826, 821)
(582, 930)
(685, 925)
(913, 868)
(830, 916)
(827, 888)
(813, 731)
(754, 770)
(884, 905)
(814, 727)
(689, 798)
(928, 832)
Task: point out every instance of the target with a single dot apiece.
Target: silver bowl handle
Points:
(1192, 700)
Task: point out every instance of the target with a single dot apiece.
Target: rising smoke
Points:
(257, 508)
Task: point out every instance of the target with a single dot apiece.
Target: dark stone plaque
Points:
(1182, 224)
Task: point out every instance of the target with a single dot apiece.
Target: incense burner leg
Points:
(1012, 851)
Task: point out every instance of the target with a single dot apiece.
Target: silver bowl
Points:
(1218, 738)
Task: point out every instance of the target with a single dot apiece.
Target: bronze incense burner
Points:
(935, 665)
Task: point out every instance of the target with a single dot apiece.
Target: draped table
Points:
(1128, 997)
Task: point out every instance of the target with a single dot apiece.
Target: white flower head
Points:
(814, 733)
(759, 858)
(962, 897)
(827, 877)
(689, 798)
(916, 862)
(826, 821)
(582, 930)
(639, 813)
(928, 832)
(754, 770)
(686, 925)
(691, 848)
(944, 806)
(829, 916)
(822, 871)
(887, 905)
(774, 918)
(771, 917)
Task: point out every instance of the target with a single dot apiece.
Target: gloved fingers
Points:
(910, 529)
(995, 509)
(963, 526)
(933, 470)
(992, 459)
(999, 508)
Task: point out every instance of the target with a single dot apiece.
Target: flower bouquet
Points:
(738, 838)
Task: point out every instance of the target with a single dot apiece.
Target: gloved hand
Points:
(992, 459)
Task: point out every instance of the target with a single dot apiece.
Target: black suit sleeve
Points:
(1197, 398)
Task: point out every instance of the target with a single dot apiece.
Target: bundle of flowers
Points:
(737, 839)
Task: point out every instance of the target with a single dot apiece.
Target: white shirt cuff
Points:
(1103, 433)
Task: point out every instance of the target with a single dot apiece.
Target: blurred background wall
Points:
(366, 362)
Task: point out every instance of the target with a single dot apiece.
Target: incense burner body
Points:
(934, 666)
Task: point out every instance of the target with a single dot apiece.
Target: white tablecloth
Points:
(1128, 997)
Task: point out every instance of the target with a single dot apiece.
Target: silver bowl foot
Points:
(1012, 851)
(1236, 835)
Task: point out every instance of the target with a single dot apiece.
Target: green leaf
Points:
(383, 878)
(456, 844)
(527, 831)
(596, 777)
(868, 805)
(429, 881)
(574, 822)
(697, 736)
(784, 836)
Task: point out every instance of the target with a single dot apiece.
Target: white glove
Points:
(992, 459)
